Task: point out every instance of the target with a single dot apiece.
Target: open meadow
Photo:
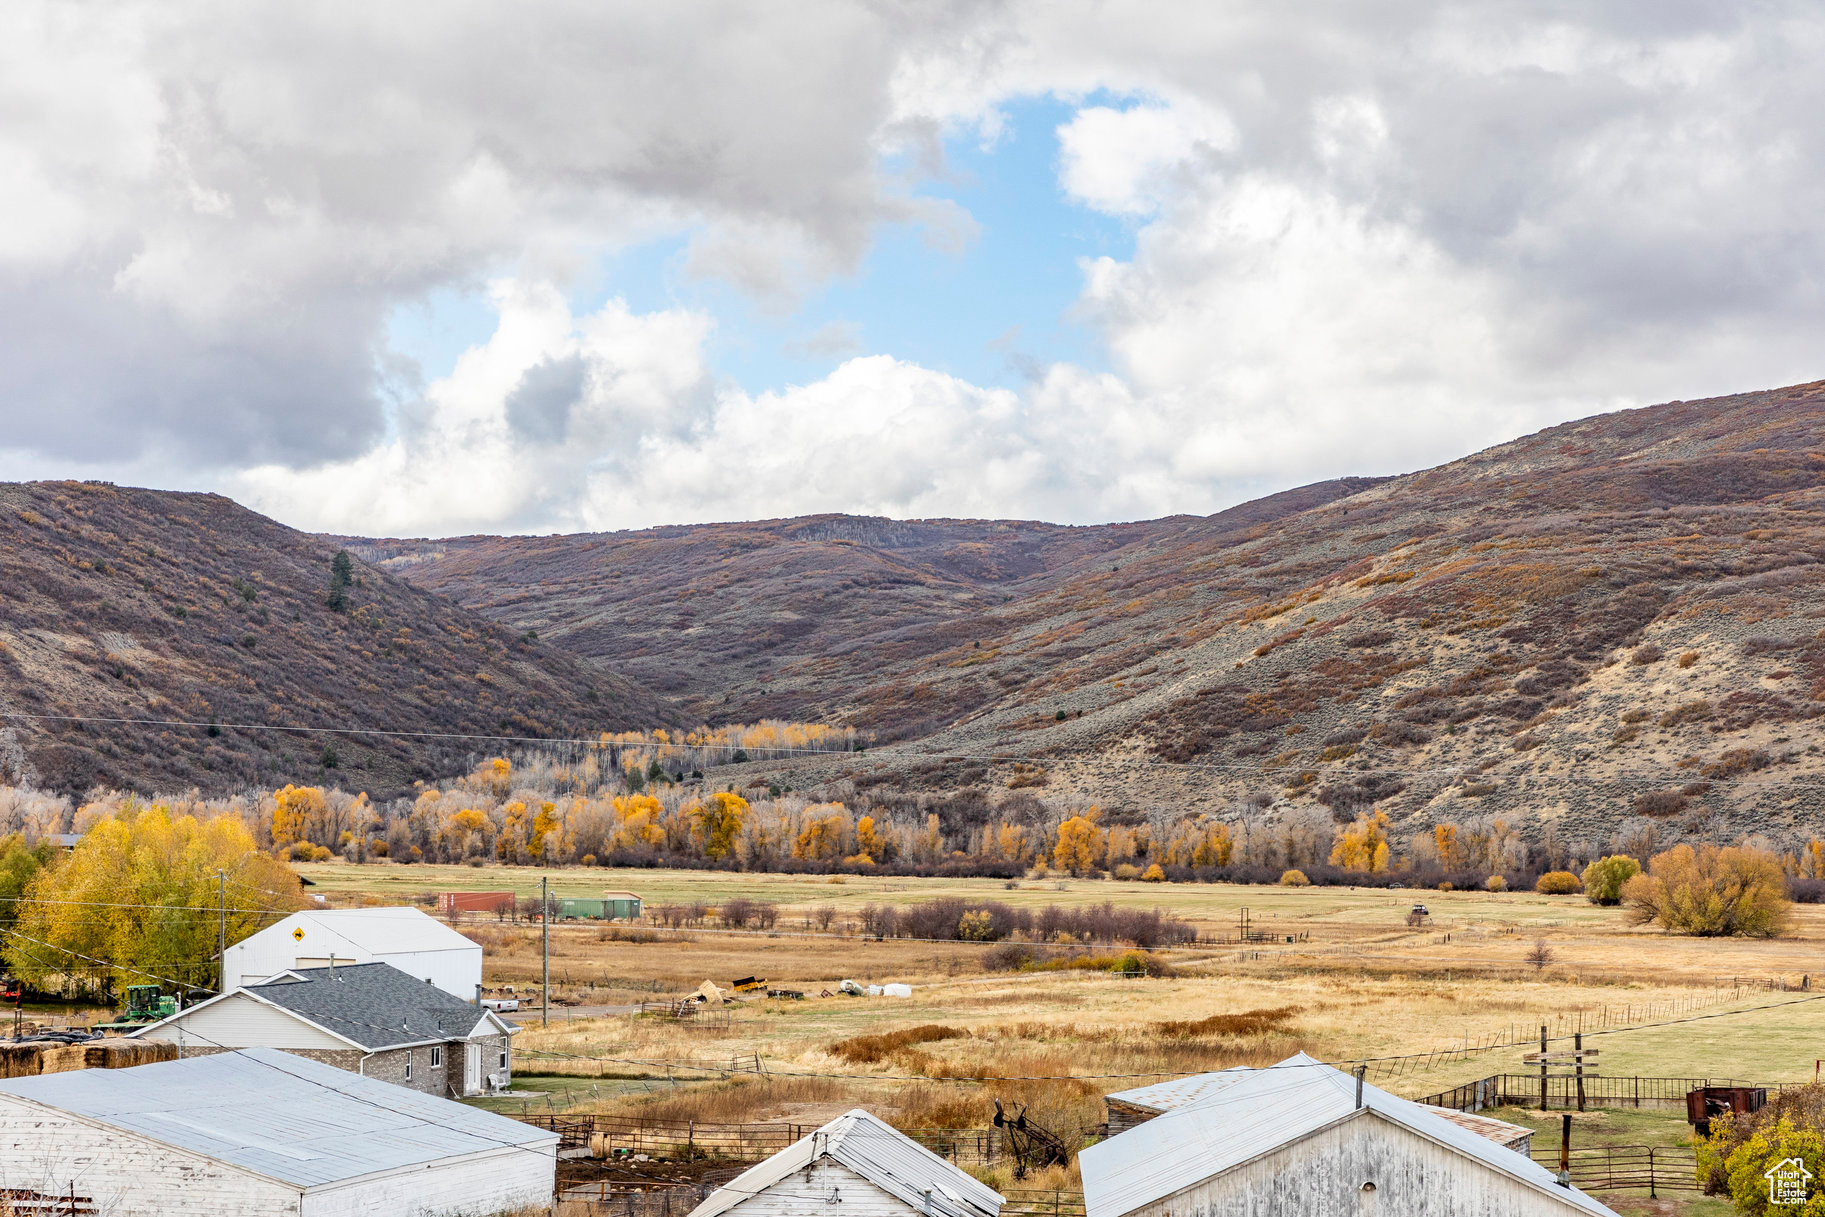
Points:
(1356, 981)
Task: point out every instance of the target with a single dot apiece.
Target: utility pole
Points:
(545, 931)
(221, 931)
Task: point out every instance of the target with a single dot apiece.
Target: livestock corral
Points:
(646, 1081)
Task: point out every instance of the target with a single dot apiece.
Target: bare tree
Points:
(1540, 955)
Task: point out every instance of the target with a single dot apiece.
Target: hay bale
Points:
(21, 1060)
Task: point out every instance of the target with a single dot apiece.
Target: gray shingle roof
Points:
(374, 1004)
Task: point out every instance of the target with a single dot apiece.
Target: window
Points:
(503, 1053)
(437, 1056)
(408, 1064)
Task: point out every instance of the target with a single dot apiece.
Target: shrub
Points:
(1644, 655)
(1557, 883)
(1154, 874)
(869, 1049)
(1741, 1149)
(1604, 878)
(1294, 878)
(1688, 659)
(1127, 870)
(1496, 884)
(1445, 885)
(1658, 803)
(1691, 712)
(1711, 892)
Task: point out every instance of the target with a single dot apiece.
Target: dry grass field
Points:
(1357, 982)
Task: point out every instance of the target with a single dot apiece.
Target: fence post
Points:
(1651, 1195)
(1542, 1066)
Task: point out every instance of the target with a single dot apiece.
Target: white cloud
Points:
(1124, 161)
(1366, 238)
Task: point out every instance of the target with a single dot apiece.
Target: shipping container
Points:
(475, 902)
(615, 906)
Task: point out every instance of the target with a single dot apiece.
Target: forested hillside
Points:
(148, 605)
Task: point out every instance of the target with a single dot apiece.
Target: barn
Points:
(261, 1133)
(864, 1166)
(1302, 1137)
(370, 1018)
(415, 943)
(1131, 1108)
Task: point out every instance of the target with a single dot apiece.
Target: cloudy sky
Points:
(431, 268)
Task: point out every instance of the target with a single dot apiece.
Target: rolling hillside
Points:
(1609, 625)
(139, 604)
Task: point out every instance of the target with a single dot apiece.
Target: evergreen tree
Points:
(342, 573)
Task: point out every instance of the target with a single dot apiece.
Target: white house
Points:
(1301, 1137)
(860, 1165)
(370, 1018)
(416, 944)
(261, 1133)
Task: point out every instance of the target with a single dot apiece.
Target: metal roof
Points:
(382, 931)
(287, 1118)
(1260, 1112)
(1180, 1092)
(884, 1156)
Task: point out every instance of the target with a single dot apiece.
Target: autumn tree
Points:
(823, 836)
(140, 896)
(1450, 851)
(19, 865)
(1081, 846)
(717, 823)
(1604, 878)
(1362, 845)
(296, 810)
(1712, 892)
(639, 828)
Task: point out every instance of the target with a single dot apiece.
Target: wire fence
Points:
(1561, 1093)
(607, 1199)
(611, 1136)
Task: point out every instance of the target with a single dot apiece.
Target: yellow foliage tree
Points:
(1362, 845)
(1215, 847)
(639, 828)
(295, 811)
(1712, 892)
(717, 823)
(1081, 846)
(823, 836)
(1450, 851)
(140, 896)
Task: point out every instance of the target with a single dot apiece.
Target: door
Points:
(472, 1068)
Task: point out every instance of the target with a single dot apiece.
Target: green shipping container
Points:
(579, 908)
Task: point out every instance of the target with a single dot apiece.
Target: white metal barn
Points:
(416, 944)
(262, 1133)
(1294, 1140)
(863, 1167)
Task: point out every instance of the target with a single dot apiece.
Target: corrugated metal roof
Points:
(384, 931)
(1180, 1092)
(890, 1160)
(1259, 1112)
(282, 1116)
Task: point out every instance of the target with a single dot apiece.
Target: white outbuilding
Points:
(1302, 1137)
(418, 945)
(262, 1133)
(862, 1167)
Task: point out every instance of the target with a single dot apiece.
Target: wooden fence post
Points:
(1542, 1066)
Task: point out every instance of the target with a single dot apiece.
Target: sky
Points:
(423, 269)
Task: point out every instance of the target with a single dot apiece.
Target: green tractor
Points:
(145, 1004)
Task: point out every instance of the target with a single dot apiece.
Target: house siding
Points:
(1323, 1176)
(127, 1176)
(240, 1021)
